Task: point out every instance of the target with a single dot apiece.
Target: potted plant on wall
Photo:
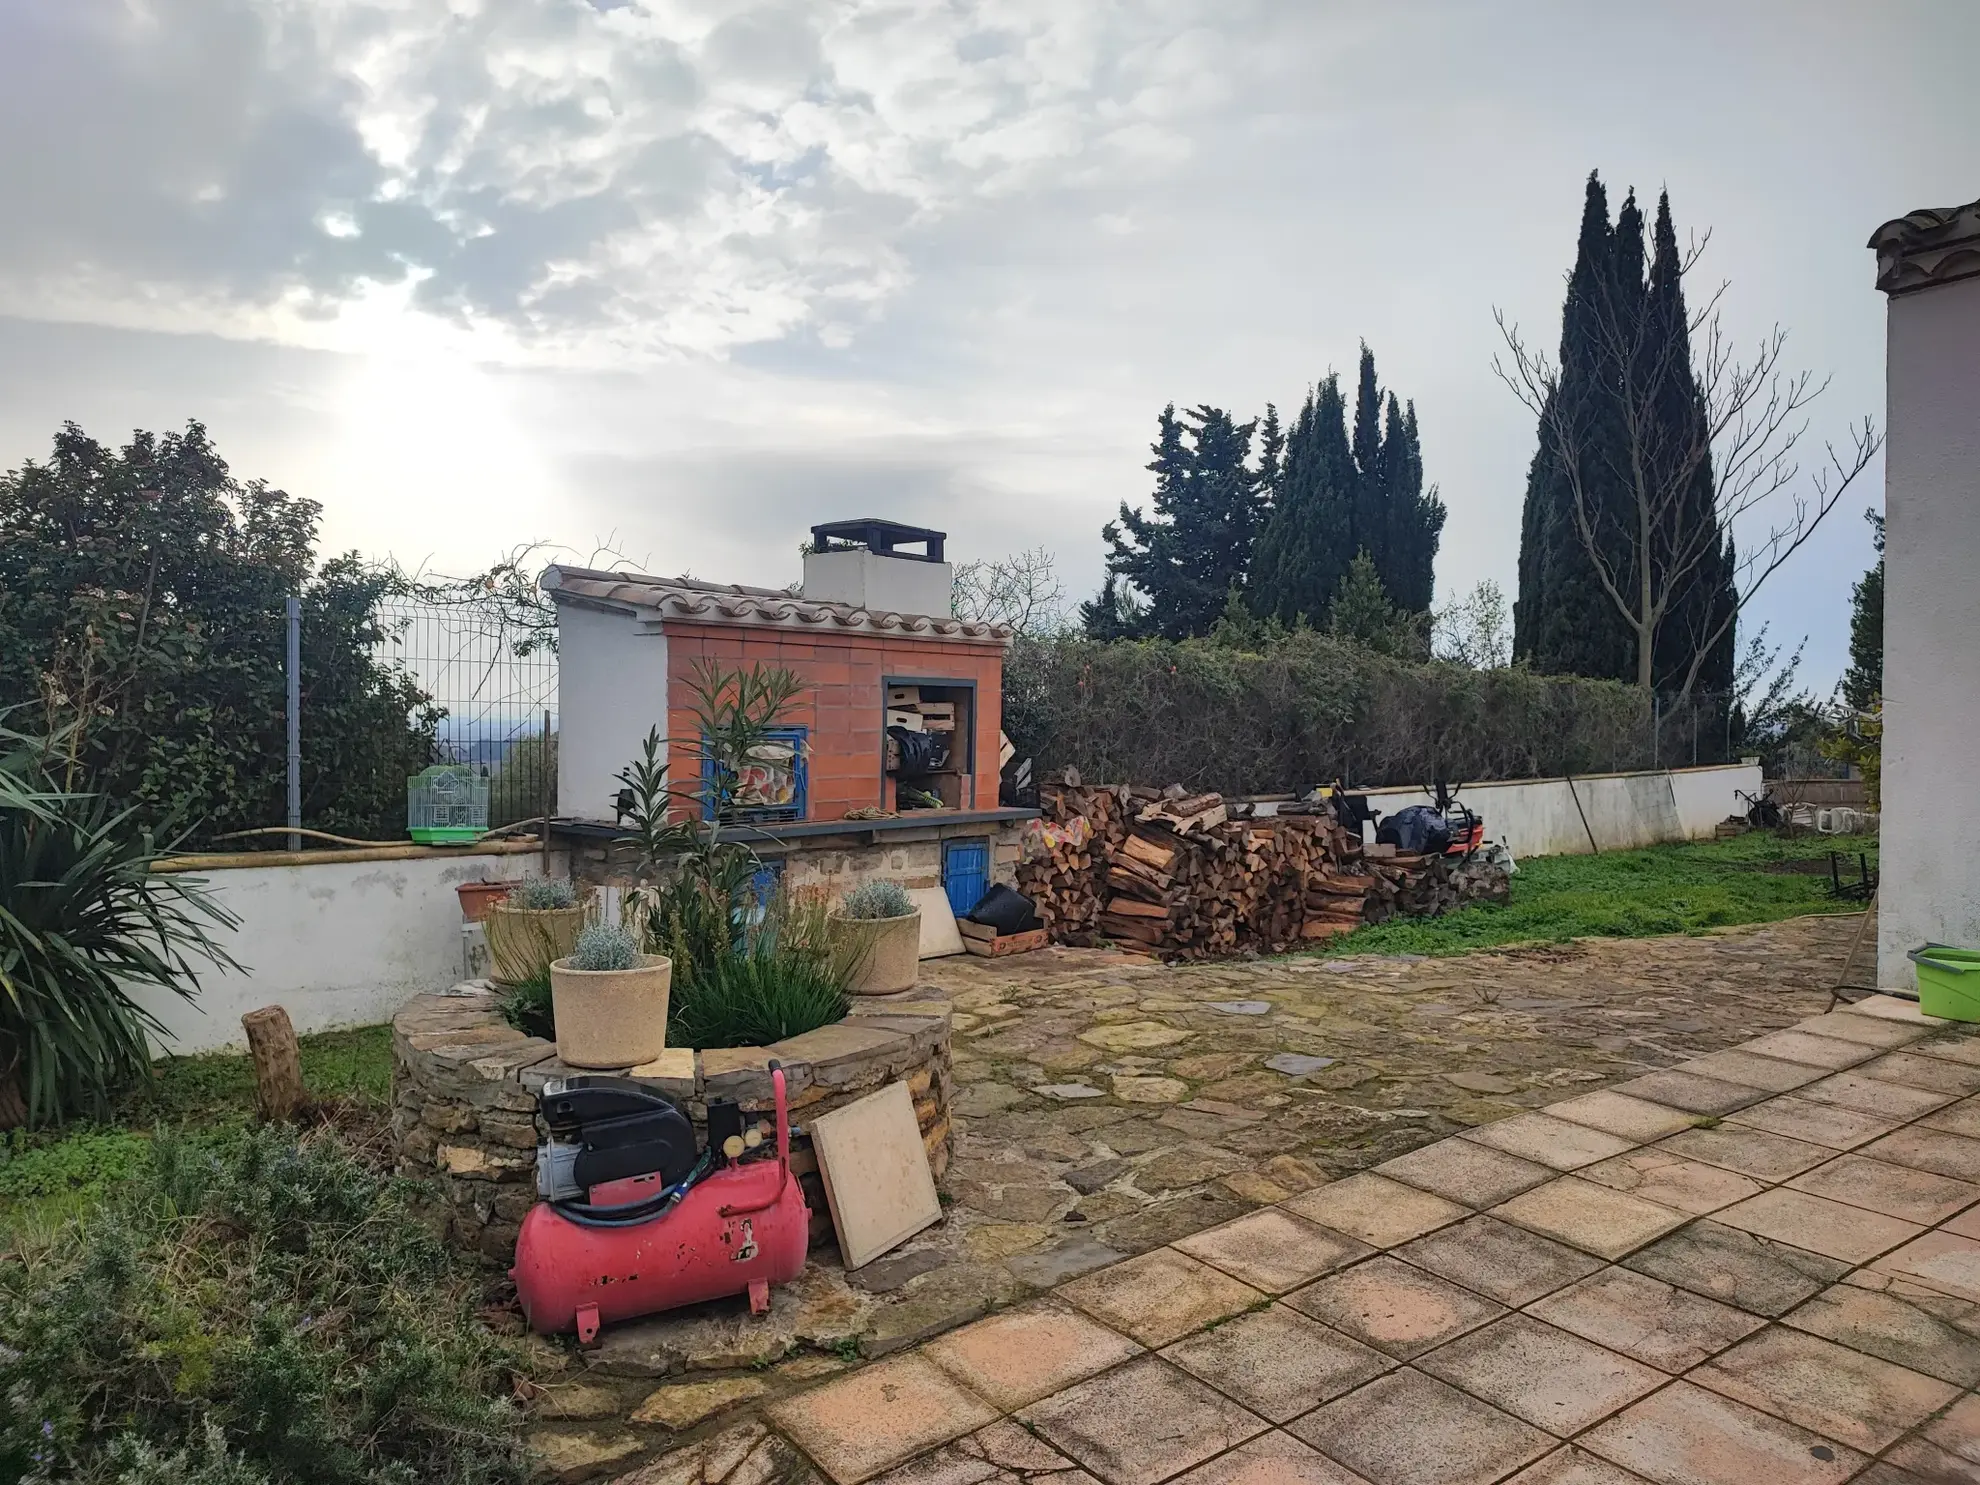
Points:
(539, 921)
(609, 1000)
(881, 928)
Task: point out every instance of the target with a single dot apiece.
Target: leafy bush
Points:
(605, 946)
(526, 1005)
(83, 919)
(878, 899)
(257, 1311)
(785, 977)
(141, 600)
(1304, 708)
(543, 894)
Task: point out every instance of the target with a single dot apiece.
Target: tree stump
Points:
(278, 1083)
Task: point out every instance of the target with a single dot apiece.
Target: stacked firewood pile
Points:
(1196, 877)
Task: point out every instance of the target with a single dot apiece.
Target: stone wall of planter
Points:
(464, 1085)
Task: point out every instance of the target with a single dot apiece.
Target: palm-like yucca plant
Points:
(83, 920)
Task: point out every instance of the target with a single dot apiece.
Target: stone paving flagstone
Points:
(1696, 1299)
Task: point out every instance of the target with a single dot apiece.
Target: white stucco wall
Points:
(1931, 871)
(611, 688)
(902, 585)
(335, 943)
(1537, 817)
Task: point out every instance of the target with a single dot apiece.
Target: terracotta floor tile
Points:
(1656, 1323)
(1944, 1261)
(1818, 1224)
(1895, 1190)
(1272, 1250)
(1816, 1051)
(1619, 1114)
(1499, 1260)
(1868, 1095)
(1953, 1046)
(1893, 1008)
(1661, 1175)
(1814, 1122)
(1737, 1268)
(1559, 1143)
(1958, 1431)
(1966, 1224)
(1856, 1399)
(1395, 1307)
(1553, 1380)
(1271, 1459)
(1159, 1297)
(1751, 1070)
(1686, 1435)
(1884, 1325)
(1375, 1209)
(1683, 1090)
(1933, 1074)
(879, 1416)
(1865, 1029)
(1025, 1354)
(1574, 1466)
(1921, 1462)
(1277, 1362)
(1141, 1423)
(1002, 1454)
(1467, 1172)
(1589, 1216)
(1750, 1152)
(1959, 1118)
(1410, 1429)
(1962, 1314)
(1923, 1148)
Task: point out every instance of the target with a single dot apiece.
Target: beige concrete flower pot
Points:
(611, 1017)
(522, 943)
(886, 952)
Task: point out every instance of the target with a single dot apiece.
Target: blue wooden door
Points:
(965, 873)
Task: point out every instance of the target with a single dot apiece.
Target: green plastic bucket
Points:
(1948, 982)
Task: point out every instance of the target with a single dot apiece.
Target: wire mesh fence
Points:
(496, 682)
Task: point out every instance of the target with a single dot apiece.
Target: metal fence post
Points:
(294, 606)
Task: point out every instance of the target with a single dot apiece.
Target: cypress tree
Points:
(1563, 617)
(1306, 545)
(1863, 682)
(1705, 598)
(1414, 517)
(1369, 531)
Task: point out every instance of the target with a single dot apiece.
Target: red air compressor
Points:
(634, 1220)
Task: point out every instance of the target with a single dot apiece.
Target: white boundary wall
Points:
(346, 943)
(1538, 817)
(335, 943)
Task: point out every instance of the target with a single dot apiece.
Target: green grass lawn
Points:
(1631, 894)
(47, 1174)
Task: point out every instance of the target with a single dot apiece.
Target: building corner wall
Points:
(1931, 787)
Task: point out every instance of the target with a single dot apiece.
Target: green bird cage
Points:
(446, 805)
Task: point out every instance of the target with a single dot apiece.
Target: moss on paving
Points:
(1685, 888)
(46, 1174)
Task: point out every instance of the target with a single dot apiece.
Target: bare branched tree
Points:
(508, 590)
(1754, 416)
(1474, 631)
(1022, 590)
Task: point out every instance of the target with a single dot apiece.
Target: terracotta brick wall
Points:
(845, 705)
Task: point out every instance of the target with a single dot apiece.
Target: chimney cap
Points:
(878, 536)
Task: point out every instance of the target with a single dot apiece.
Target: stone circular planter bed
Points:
(464, 1085)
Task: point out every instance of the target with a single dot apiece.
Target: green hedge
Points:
(1305, 710)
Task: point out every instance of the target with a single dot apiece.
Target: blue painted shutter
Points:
(965, 873)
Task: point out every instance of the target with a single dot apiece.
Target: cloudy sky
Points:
(688, 275)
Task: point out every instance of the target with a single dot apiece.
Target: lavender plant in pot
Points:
(609, 1000)
(537, 922)
(881, 926)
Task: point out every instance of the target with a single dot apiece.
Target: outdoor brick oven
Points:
(869, 630)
